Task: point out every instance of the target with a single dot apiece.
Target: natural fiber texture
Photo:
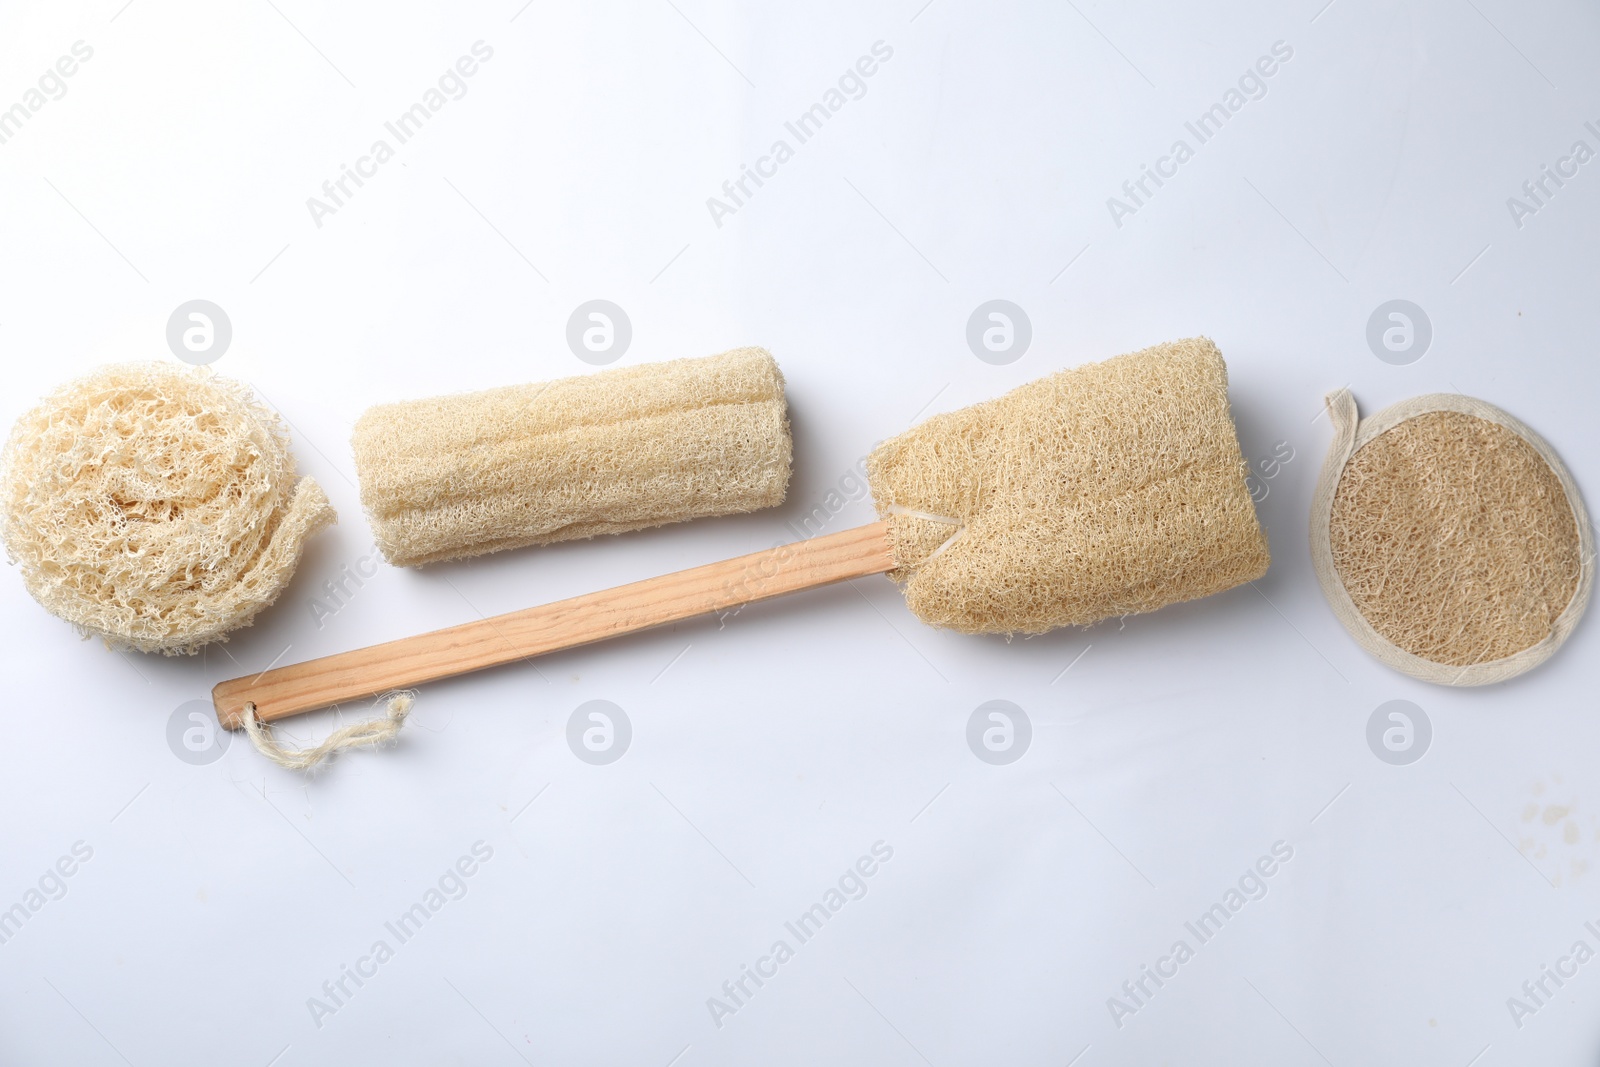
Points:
(1106, 490)
(1454, 539)
(1450, 539)
(609, 452)
(367, 734)
(155, 506)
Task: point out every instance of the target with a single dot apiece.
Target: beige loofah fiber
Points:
(154, 506)
(1455, 539)
(1105, 490)
(604, 453)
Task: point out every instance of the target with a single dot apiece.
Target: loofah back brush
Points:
(1104, 490)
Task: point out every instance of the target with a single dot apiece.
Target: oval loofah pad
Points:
(155, 506)
(1450, 539)
(1109, 489)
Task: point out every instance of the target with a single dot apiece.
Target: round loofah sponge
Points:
(154, 506)
(1449, 539)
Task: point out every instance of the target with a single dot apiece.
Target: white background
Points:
(770, 752)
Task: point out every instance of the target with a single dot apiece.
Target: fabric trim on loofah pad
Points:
(155, 506)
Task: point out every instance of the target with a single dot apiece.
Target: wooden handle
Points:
(365, 672)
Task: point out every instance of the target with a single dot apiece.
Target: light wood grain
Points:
(365, 672)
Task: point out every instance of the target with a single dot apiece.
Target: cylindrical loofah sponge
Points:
(1105, 490)
(155, 506)
(619, 450)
